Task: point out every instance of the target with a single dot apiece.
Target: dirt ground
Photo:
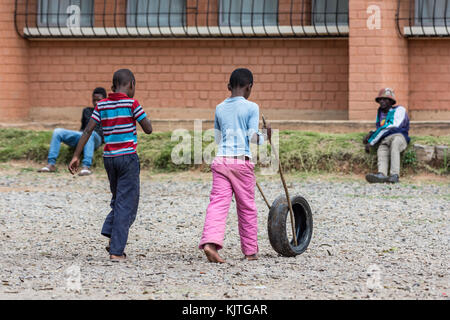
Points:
(369, 241)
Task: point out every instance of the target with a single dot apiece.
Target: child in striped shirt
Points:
(117, 115)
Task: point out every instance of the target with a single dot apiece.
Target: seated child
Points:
(71, 138)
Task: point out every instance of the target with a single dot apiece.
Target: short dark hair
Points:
(240, 78)
(123, 77)
(100, 90)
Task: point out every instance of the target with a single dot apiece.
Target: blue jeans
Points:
(123, 174)
(71, 138)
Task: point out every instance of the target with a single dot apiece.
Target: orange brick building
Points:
(312, 59)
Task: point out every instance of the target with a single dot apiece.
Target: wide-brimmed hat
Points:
(386, 93)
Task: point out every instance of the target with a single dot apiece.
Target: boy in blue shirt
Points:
(236, 125)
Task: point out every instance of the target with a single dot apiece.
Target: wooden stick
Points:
(264, 197)
(291, 211)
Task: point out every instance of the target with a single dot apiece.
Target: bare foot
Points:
(118, 258)
(108, 246)
(252, 257)
(212, 254)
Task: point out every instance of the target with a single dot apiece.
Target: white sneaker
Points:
(85, 171)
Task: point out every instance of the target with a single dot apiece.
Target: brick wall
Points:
(14, 94)
(429, 81)
(378, 59)
(294, 79)
(293, 75)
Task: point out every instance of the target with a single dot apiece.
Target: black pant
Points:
(123, 174)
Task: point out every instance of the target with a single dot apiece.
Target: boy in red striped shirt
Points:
(117, 115)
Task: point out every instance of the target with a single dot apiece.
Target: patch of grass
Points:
(322, 152)
(430, 140)
(300, 152)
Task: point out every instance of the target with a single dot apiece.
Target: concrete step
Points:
(434, 128)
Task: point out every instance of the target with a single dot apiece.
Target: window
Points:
(248, 13)
(330, 12)
(65, 13)
(156, 13)
(432, 12)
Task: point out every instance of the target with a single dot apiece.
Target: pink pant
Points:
(232, 176)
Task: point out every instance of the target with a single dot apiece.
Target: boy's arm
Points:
(255, 136)
(367, 137)
(74, 164)
(258, 138)
(141, 117)
(217, 132)
(82, 120)
(146, 125)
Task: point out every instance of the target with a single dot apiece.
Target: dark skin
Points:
(146, 125)
(96, 98)
(210, 249)
(385, 105)
(245, 92)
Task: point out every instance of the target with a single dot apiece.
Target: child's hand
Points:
(367, 137)
(73, 165)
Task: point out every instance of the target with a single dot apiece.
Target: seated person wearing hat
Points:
(391, 135)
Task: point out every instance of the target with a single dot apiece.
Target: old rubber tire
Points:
(279, 221)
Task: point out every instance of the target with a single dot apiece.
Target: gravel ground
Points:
(369, 241)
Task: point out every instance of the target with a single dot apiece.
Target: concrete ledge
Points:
(430, 115)
(184, 32)
(72, 114)
(435, 128)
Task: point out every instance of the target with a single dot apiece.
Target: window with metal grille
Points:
(248, 12)
(432, 12)
(74, 19)
(330, 12)
(65, 13)
(156, 13)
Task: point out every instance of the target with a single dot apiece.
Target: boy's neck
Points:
(240, 92)
(121, 90)
(237, 93)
